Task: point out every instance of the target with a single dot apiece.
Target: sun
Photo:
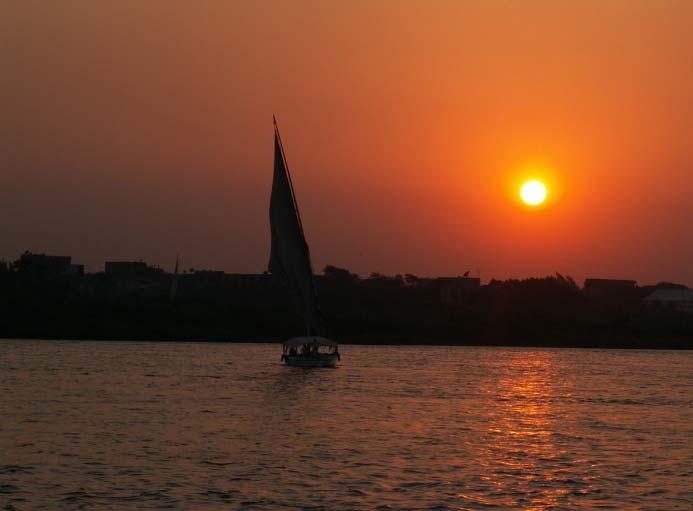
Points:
(533, 192)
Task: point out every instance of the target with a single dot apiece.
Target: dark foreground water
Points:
(96, 425)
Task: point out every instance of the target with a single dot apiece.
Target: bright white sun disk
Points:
(533, 192)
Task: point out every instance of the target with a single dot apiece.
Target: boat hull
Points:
(327, 360)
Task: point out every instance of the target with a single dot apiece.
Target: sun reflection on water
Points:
(522, 456)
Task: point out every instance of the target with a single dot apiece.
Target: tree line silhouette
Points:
(380, 309)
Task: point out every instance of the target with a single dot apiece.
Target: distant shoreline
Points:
(131, 301)
(369, 341)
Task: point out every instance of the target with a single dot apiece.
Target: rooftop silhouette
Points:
(43, 296)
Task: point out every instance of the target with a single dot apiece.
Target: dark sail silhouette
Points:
(290, 257)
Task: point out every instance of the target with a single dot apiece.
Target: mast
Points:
(174, 282)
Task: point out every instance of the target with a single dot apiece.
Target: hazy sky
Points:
(138, 130)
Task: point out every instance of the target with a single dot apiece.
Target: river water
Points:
(106, 425)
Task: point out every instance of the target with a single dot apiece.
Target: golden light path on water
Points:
(521, 429)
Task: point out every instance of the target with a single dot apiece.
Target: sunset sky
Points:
(139, 130)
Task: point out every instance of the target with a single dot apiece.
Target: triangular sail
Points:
(289, 257)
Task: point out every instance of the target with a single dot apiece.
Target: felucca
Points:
(290, 263)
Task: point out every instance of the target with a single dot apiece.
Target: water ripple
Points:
(218, 426)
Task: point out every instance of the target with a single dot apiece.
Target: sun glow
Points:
(533, 192)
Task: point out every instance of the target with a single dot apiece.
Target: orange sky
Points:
(141, 129)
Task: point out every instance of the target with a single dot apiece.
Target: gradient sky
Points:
(138, 130)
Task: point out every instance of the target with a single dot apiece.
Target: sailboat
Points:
(290, 263)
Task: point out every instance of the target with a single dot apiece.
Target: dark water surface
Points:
(97, 425)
